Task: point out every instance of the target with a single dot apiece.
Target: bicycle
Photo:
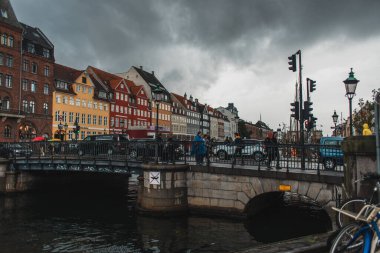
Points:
(359, 237)
(356, 204)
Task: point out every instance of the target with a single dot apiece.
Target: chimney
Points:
(141, 67)
(152, 72)
(191, 98)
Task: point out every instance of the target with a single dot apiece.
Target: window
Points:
(77, 88)
(31, 48)
(34, 68)
(24, 84)
(7, 132)
(121, 96)
(25, 107)
(116, 122)
(46, 71)
(5, 103)
(95, 105)
(100, 120)
(46, 53)
(25, 65)
(56, 116)
(71, 117)
(46, 90)
(117, 95)
(32, 107)
(4, 13)
(105, 120)
(33, 86)
(71, 101)
(1, 59)
(112, 107)
(83, 118)
(4, 39)
(8, 81)
(84, 103)
(46, 109)
(112, 122)
(90, 90)
(64, 100)
(105, 108)
(77, 117)
(94, 119)
(89, 119)
(10, 40)
(101, 106)
(64, 114)
(84, 79)
(117, 108)
(89, 104)
(77, 102)
(82, 135)
(9, 61)
(84, 89)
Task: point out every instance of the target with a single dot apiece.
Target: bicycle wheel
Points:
(342, 242)
(353, 205)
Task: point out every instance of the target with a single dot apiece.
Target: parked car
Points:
(252, 148)
(103, 144)
(11, 150)
(146, 147)
(330, 152)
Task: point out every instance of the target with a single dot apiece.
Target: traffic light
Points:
(295, 108)
(292, 63)
(77, 129)
(307, 109)
(312, 123)
(311, 85)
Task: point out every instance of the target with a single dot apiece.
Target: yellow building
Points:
(77, 98)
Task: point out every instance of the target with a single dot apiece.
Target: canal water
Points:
(67, 221)
(72, 220)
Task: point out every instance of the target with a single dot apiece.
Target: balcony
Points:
(10, 113)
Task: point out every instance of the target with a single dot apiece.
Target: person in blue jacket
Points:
(198, 148)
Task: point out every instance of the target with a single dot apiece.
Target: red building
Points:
(26, 78)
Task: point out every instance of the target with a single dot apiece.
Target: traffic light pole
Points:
(301, 122)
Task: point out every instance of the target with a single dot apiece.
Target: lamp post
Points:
(157, 96)
(350, 84)
(60, 127)
(335, 120)
(65, 127)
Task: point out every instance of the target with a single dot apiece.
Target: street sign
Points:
(154, 178)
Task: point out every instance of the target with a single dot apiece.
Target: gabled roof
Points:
(185, 102)
(136, 89)
(65, 73)
(7, 15)
(150, 79)
(36, 36)
(101, 78)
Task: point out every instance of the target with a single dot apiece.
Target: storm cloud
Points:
(221, 50)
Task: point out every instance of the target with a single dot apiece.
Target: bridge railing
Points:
(250, 153)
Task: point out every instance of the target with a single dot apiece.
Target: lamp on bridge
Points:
(335, 120)
(350, 84)
(60, 127)
(65, 127)
(157, 97)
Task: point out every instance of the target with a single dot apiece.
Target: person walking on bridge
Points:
(198, 148)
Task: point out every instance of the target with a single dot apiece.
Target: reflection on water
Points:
(101, 222)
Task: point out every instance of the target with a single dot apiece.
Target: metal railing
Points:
(253, 153)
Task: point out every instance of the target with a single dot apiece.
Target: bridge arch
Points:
(277, 215)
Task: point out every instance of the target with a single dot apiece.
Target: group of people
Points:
(201, 147)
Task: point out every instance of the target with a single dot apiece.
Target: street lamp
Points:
(157, 96)
(60, 127)
(335, 120)
(65, 127)
(350, 84)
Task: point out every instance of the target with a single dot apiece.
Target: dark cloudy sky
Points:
(223, 51)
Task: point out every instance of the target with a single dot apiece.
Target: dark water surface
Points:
(66, 221)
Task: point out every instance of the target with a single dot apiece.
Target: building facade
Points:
(26, 78)
(179, 118)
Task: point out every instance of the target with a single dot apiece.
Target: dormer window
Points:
(84, 79)
(31, 48)
(4, 13)
(46, 53)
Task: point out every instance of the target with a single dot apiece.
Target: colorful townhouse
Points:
(164, 106)
(26, 78)
(179, 118)
(130, 111)
(79, 100)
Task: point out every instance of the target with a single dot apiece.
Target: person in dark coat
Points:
(271, 148)
(198, 148)
(239, 143)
